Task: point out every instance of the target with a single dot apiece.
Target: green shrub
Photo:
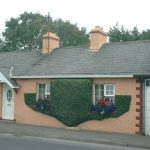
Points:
(30, 99)
(122, 104)
(70, 102)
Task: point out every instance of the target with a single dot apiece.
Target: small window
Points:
(147, 83)
(43, 91)
(109, 90)
(9, 95)
(99, 92)
(47, 90)
(104, 90)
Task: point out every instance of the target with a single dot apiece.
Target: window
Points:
(99, 92)
(9, 95)
(107, 90)
(43, 91)
(147, 83)
(47, 89)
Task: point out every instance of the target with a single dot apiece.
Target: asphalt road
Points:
(12, 142)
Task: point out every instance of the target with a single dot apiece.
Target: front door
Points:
(147, 106)
(8, 103)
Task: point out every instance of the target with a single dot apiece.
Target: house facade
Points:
(116, 69)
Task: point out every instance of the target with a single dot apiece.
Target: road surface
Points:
(15, 142)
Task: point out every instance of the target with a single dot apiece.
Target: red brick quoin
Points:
(139, 106)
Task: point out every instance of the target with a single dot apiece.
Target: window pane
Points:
(9, 95)
(96, 86)
(43, 91)
(109, 90)
(96, 92)
(111, 87)
(99, 92)
(47, 91)
(147, 83)
(41, 88)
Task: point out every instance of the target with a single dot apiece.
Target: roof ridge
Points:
(77, 46)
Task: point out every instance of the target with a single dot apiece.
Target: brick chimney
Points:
(98, 38)
(50, 42)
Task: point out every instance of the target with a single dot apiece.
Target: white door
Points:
(8, 103)
(147, 106)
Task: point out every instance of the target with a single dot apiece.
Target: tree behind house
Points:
(25, 32)
(118, 33)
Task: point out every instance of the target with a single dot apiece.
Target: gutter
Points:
(70, 76)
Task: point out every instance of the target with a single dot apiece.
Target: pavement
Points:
(140, 141)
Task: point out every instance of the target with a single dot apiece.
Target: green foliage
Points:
(135, 34)
(26, 31)
(122, 104)
(71, 100)
(1, 44)
(70, 34)
(118, 33)
(30, 99)
(145, 35)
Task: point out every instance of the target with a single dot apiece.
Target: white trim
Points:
(94, 101)
(146, 109)
(105, 93)
(45, 90)
(4, 79)
(47, 93)
(73, 76)
(37, 91)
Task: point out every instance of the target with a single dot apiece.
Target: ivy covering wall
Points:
(70, 102)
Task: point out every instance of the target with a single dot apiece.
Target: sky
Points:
(84, 13)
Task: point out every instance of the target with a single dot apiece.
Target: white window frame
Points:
(46, 89)
(147, 81)
(105, 90)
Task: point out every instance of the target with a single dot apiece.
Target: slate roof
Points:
(5, 72)
(123, 58)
